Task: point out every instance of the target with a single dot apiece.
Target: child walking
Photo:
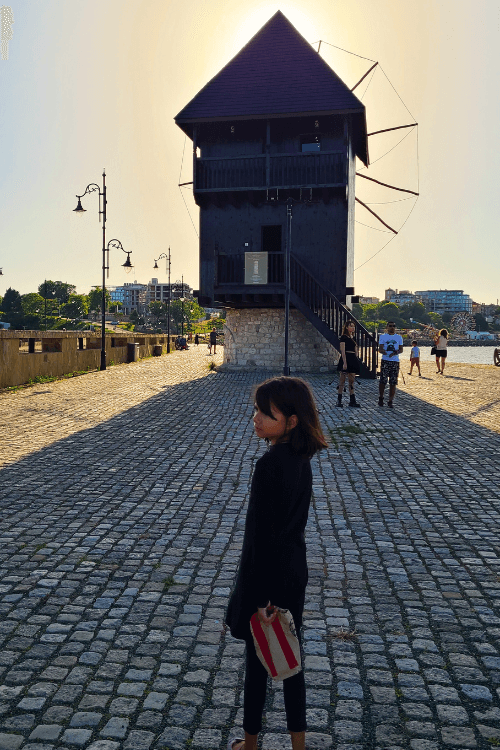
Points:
(415, 358)
(273, 568)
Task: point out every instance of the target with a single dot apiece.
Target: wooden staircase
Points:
(328, 315)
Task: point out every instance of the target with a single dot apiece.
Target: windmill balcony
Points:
(271, 171)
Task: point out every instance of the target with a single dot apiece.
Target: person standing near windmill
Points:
(390, 346)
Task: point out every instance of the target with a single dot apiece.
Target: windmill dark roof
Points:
(276, 74)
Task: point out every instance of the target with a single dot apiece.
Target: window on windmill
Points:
(310, 143)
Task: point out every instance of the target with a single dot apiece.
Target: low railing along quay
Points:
(27, 355)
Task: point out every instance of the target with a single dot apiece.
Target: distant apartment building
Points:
(445, 300)
(160, 292)
(133, 296)
(369, 300)
(403, 297)
(483, 309)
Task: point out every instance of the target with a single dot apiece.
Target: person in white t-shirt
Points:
(390, 346)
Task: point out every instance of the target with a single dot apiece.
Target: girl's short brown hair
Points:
(293, 396)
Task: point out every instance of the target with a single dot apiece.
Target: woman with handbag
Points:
(348, 363)
(441, 350)
(273, 570)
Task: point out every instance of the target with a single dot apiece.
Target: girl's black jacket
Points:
(273, 563)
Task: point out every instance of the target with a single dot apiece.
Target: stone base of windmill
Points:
(254, 340)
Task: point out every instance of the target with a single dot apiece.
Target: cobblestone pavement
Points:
(473, 391)
(123, 499)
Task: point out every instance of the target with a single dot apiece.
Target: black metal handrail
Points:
(332, 312)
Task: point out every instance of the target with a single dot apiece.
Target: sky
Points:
(96, 85)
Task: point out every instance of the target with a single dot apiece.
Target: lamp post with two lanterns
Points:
(105, 254)
(167, 258)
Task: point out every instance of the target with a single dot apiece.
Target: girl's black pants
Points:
(294, 690)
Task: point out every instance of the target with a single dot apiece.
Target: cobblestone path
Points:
(122, 505)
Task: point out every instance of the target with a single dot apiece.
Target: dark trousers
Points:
(294, 689)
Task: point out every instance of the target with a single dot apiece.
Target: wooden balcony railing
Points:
(262, 172)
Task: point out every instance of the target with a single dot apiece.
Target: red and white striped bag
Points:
(277, 645)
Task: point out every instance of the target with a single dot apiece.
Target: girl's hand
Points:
(344, 367)
(263, 616)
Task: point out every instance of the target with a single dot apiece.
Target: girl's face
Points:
(351, 328)
(272, 429)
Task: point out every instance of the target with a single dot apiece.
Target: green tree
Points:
(371, 313)
(135, 318)
(192, 312)
(388, 310)
(60, 290)
(415, 310)
(357, 310)
(76, 307)
(436, 320)
(158, 310)
(32, 303)
(481, 323)
(12, 308)
(95, 299)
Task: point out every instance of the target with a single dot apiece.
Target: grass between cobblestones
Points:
(123, 501)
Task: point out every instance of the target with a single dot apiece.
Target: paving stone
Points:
(456, 715)
(116, 728)
(18, 723)
(78, 737)
(207, 738)
(477, 692)
(10, 741)
(138, 740)
(182, 715)
(174, 738)
(46, 732)
(347, 730)
(458, 737)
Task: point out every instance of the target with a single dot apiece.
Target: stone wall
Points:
(254, 339)
(26, 355)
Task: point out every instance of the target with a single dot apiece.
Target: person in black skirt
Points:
(348, 362)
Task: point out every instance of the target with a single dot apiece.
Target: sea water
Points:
(472, 355)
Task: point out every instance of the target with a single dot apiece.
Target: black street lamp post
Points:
(105, 254)
(167, 257)
(182, 305)
(45, 301)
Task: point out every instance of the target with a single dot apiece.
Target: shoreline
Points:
(451, 342)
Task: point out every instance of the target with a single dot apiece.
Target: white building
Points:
(160, 292)
(446, 300)
(403, 297)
